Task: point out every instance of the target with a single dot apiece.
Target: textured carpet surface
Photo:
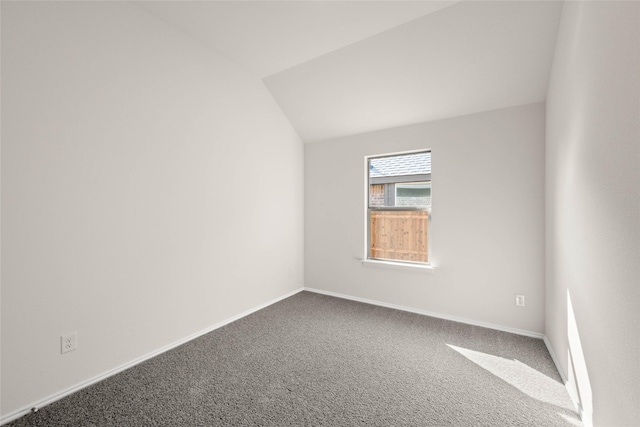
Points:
(315, 360)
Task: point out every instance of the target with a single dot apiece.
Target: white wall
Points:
(150, 189)
(593, 208)
(487, 218)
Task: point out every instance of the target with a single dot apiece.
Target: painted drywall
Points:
(271, 36)
(487, 228)
(150, 189)
(464, 59)
(593, 208)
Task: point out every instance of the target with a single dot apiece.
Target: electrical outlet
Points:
(520, 300)
(68, 342)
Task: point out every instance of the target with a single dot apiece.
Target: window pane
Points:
(400, 180)
(399, 235)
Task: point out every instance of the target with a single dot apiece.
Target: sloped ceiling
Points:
(267, 37)
(338, 68)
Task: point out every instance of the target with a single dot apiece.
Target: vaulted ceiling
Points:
(344, 67)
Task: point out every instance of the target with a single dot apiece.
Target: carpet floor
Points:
(315, 360)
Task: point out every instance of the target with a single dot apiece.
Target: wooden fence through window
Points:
(399, 235)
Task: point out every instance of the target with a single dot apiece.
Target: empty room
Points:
(320, 213)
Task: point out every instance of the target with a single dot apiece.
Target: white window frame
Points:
(367, 259)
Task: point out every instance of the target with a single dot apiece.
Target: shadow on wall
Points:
(577, 376)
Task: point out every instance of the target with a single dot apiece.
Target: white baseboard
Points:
(586, 420)
(431, 314)
(555, 359)
(48, 400)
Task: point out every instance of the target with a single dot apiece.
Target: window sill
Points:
(396, 265)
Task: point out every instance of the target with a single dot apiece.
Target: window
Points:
(399, 207)
(413, 194)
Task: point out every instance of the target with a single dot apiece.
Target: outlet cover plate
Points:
(68, 342)
(520, 300)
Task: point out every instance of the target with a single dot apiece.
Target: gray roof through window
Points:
(406, 164)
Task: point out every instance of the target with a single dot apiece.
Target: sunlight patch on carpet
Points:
(574, 421)
(526, 379)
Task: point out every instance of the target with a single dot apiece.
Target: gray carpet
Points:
(315, 360)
